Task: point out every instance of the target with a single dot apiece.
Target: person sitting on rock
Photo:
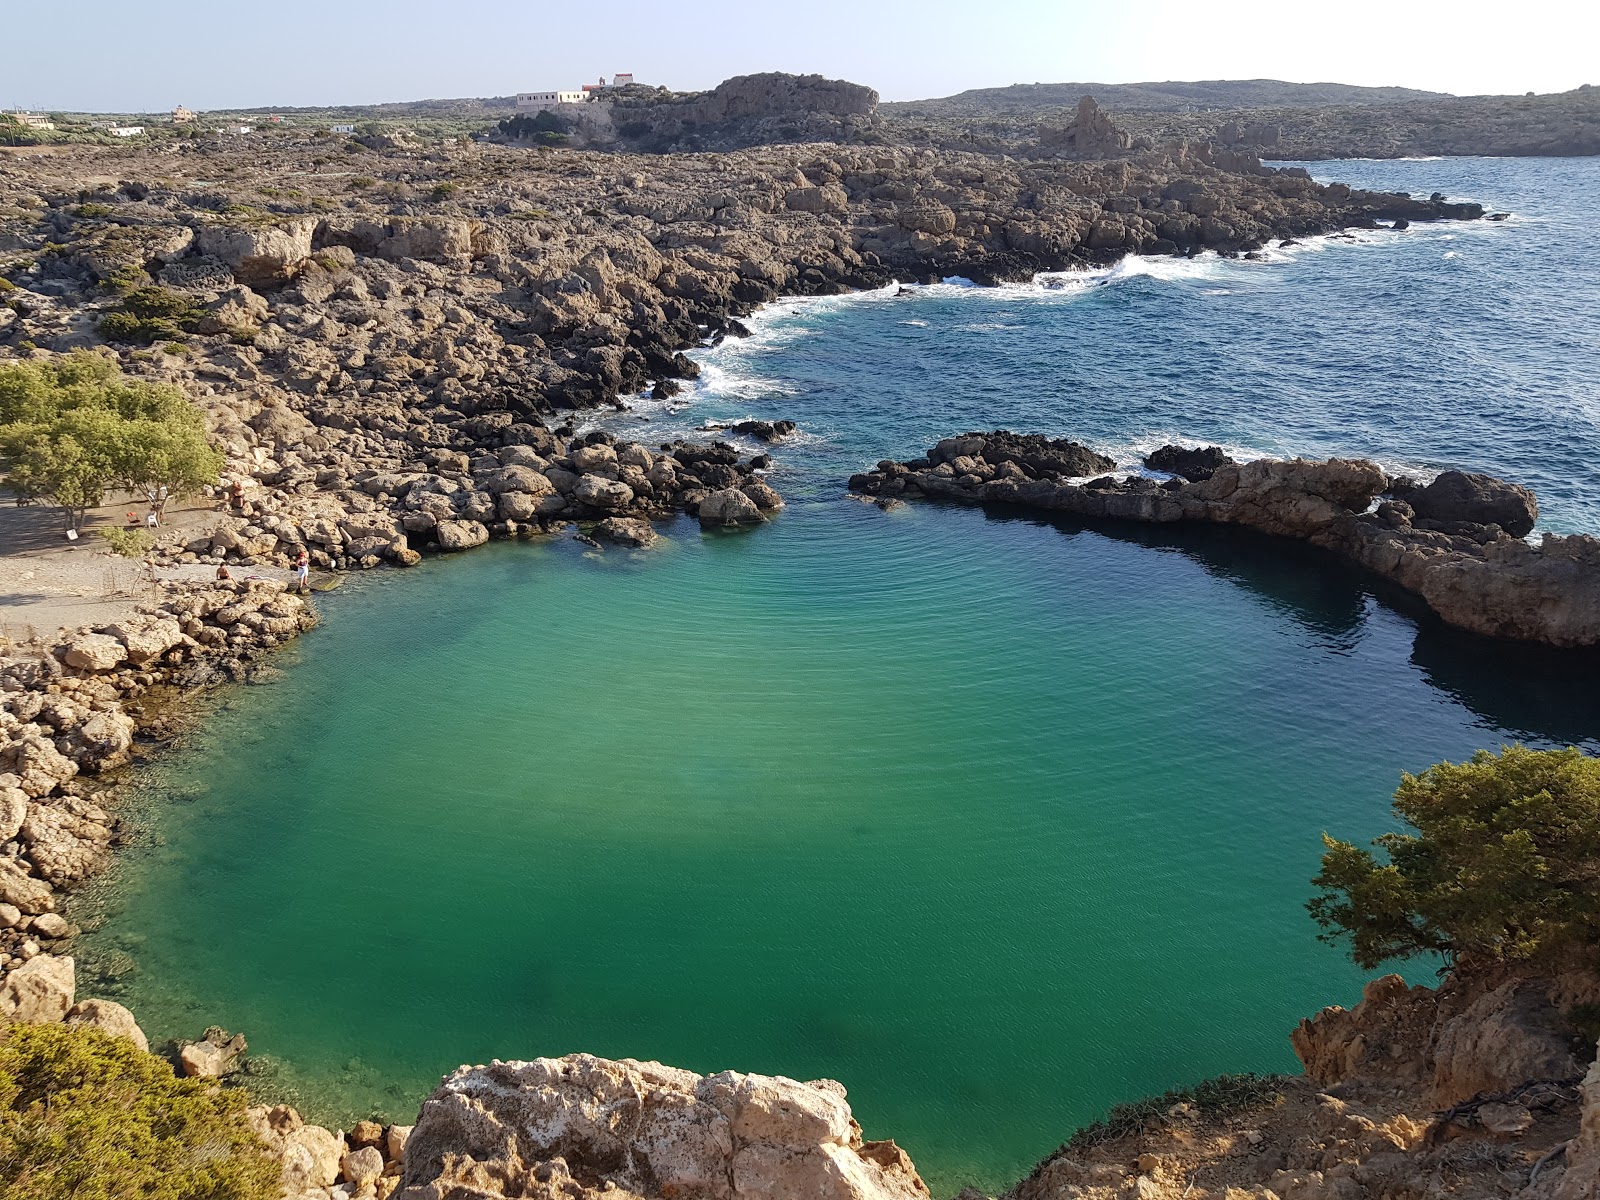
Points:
(223, 572)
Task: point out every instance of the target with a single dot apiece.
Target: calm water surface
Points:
(997, 820)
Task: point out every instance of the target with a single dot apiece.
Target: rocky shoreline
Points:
(1458, 542)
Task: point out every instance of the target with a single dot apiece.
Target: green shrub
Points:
(1504, 864)
(363, 181)
(88, 1116)
(150, 314)
(90, 211)
(243, 335)
(130, 543)
(442, 191)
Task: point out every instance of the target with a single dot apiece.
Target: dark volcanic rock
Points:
(1459, 497)
(1193, 465)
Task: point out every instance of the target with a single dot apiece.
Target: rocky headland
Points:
(1459, 542)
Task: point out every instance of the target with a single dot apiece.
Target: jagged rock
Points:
(1193, 465)
(68, 841)
(1385, 1035)
(109, 1016)
(95, 652)
(729, 506)
(626, 531)
(265, 255)
(1581, 1181)
(38, 991)
(310, 1156)
(598, 492)
(37, 764)
(213, 1056)
(104, 740)
(394, 1142)
(146, 640)
(763, 494)
(13, 809)
(1507, 1037)
(1456, 496)
(23, 891)
(648, 1130)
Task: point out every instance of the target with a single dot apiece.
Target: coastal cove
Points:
(965, 810)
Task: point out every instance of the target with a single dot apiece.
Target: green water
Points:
(996, 821)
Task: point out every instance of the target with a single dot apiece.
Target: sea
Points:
(998, 819)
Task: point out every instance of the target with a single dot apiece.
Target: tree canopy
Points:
(1504, 864)
(74, 427)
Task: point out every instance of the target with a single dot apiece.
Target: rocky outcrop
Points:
(1473, 572)
(1090, 134)
(1195, 465)
(581, 1126)
(748, 110)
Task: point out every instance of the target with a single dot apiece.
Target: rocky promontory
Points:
(1458, 542)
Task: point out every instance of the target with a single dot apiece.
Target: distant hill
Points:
(1161, 97)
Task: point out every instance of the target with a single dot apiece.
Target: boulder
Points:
(13, 810)
(109, 1016)
(361, 1168)
(626, 531)
(517, 478)
(1477, 499)
(213, 1056)
(51, 926)
(40, 990)
(103, 741)
(593, 458)
(764, 494)
(310, 1156)
(729, 506)
(1582, 1178)
(1191, 464)
(460, 535)
(598, 492)
(146, 640)
(95, 652)
(23, 891)
(265, 255)
(646, 1130)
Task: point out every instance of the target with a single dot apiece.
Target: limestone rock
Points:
(264, 255)
(1193, 465)
(146, 640)
(95, 652)
(1385, 1035)
(52, 926)
(213, 1056)
(763, 494)
(729, 506)
(109, 1016)
(104, 741)
(650, 1130)
(23, 891)
(598, 492)
(461, 535)
(1582, 1178)
(310, 1156)
(1507, 1037)
(40, 990)
(13, 809)
(362, 1167)
(626, 531)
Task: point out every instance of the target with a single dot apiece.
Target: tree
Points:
(73, 427)
(88, 1116)
(1504, 864)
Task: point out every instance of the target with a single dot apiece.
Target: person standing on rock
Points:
(302, 572)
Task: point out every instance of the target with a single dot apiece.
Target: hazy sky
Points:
(116, 56)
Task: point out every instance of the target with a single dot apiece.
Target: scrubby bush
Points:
(1504, 864)
(88, 1116)
(1223, 1096)
(129, 543)
(150, 314)
(92, 211)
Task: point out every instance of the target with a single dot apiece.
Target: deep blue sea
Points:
(998, 819)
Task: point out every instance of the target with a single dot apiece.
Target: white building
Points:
(240, 130)
(343, 129)
(125, 130)
(622, 79)
(30, 120)
(528, 102)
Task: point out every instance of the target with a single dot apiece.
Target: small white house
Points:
(240, 130)
(125, 130)
(538, 101)
(343, 129)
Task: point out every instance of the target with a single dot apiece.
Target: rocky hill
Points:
(1566, 123)
(1021, 99)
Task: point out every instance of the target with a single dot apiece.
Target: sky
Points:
(121, 57)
